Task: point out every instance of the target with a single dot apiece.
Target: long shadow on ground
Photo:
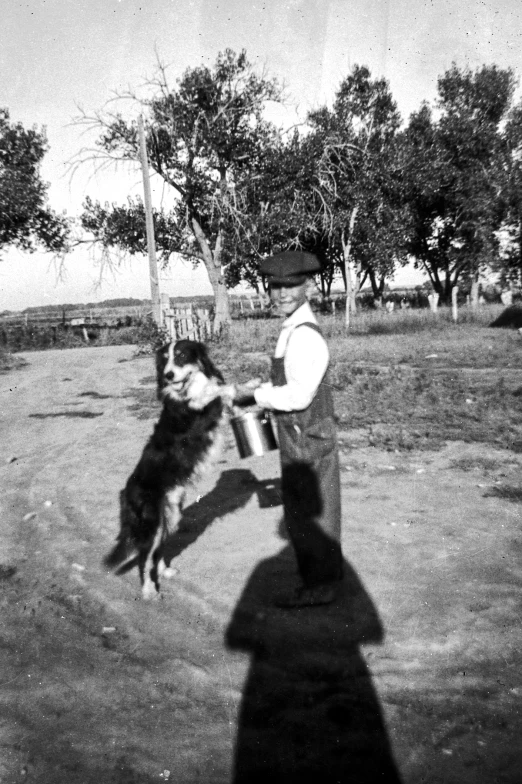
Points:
(232, 491)
(309, 711)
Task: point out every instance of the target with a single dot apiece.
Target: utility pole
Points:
(149, 225)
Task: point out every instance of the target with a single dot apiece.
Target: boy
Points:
(301, 400)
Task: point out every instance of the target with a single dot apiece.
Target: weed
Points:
(149, 336)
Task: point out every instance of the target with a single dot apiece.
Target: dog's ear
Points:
(207, 366)
(161, 359)
(161, 356)
(161, 351)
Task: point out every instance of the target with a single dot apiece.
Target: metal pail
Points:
(253, 433)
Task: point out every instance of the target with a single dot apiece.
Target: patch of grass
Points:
(485, 464)
(429, 382)
(38, 337)
(410, 380)
(399, 322)
(7, 571)
(117, 337)
(423, 407)
(509, 493)
(464, 346)
(10, 362)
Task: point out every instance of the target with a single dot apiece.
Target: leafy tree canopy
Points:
(205, 138)
(455, 170)
(26, 221)
(360, 181)
(509, 263)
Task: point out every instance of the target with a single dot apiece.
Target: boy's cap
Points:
(291, 267)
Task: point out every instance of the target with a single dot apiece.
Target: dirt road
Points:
(413, 676)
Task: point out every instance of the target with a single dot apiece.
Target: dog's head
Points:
(184, 369)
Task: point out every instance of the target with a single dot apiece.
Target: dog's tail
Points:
(123, 550)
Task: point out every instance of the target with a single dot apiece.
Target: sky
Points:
(57, 56)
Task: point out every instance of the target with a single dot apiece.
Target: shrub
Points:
(9, 361)
(149, 336)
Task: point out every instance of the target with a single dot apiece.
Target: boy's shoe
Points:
(307, 597)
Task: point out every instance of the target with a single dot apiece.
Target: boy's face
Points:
(287, 298)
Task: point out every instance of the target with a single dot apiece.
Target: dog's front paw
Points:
(227, 394)
(201, 393)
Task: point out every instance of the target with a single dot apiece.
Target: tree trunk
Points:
(349, 296)
(329, 286)
(519, 272)
(377, 287)
(474, 299)
(329, 276)
(222, 315)
(212, 262)
(343, 275)
(350, 274)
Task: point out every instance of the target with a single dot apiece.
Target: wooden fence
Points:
(195, 323)
(179, 320)
(78, 316)
(189, 322)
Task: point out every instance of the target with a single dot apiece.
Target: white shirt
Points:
(305, 361)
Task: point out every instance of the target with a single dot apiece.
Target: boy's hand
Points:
(244, 393)
(253, 383)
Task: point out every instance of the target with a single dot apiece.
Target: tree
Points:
(359, 180)
(509, 264)
(280, 210)
(204, 139)
(26, 221)
(456, 174)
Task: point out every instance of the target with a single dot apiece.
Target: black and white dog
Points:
(186, 438)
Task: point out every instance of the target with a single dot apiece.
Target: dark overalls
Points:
(310, 481)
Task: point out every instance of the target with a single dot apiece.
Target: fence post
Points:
(166, 319)
(433, 299)
(454, 309)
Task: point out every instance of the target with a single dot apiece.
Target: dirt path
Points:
(414, 672)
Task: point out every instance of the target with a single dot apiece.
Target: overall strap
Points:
(312, 325)
(321, 406)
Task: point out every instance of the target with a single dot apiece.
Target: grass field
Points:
(407, 380)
